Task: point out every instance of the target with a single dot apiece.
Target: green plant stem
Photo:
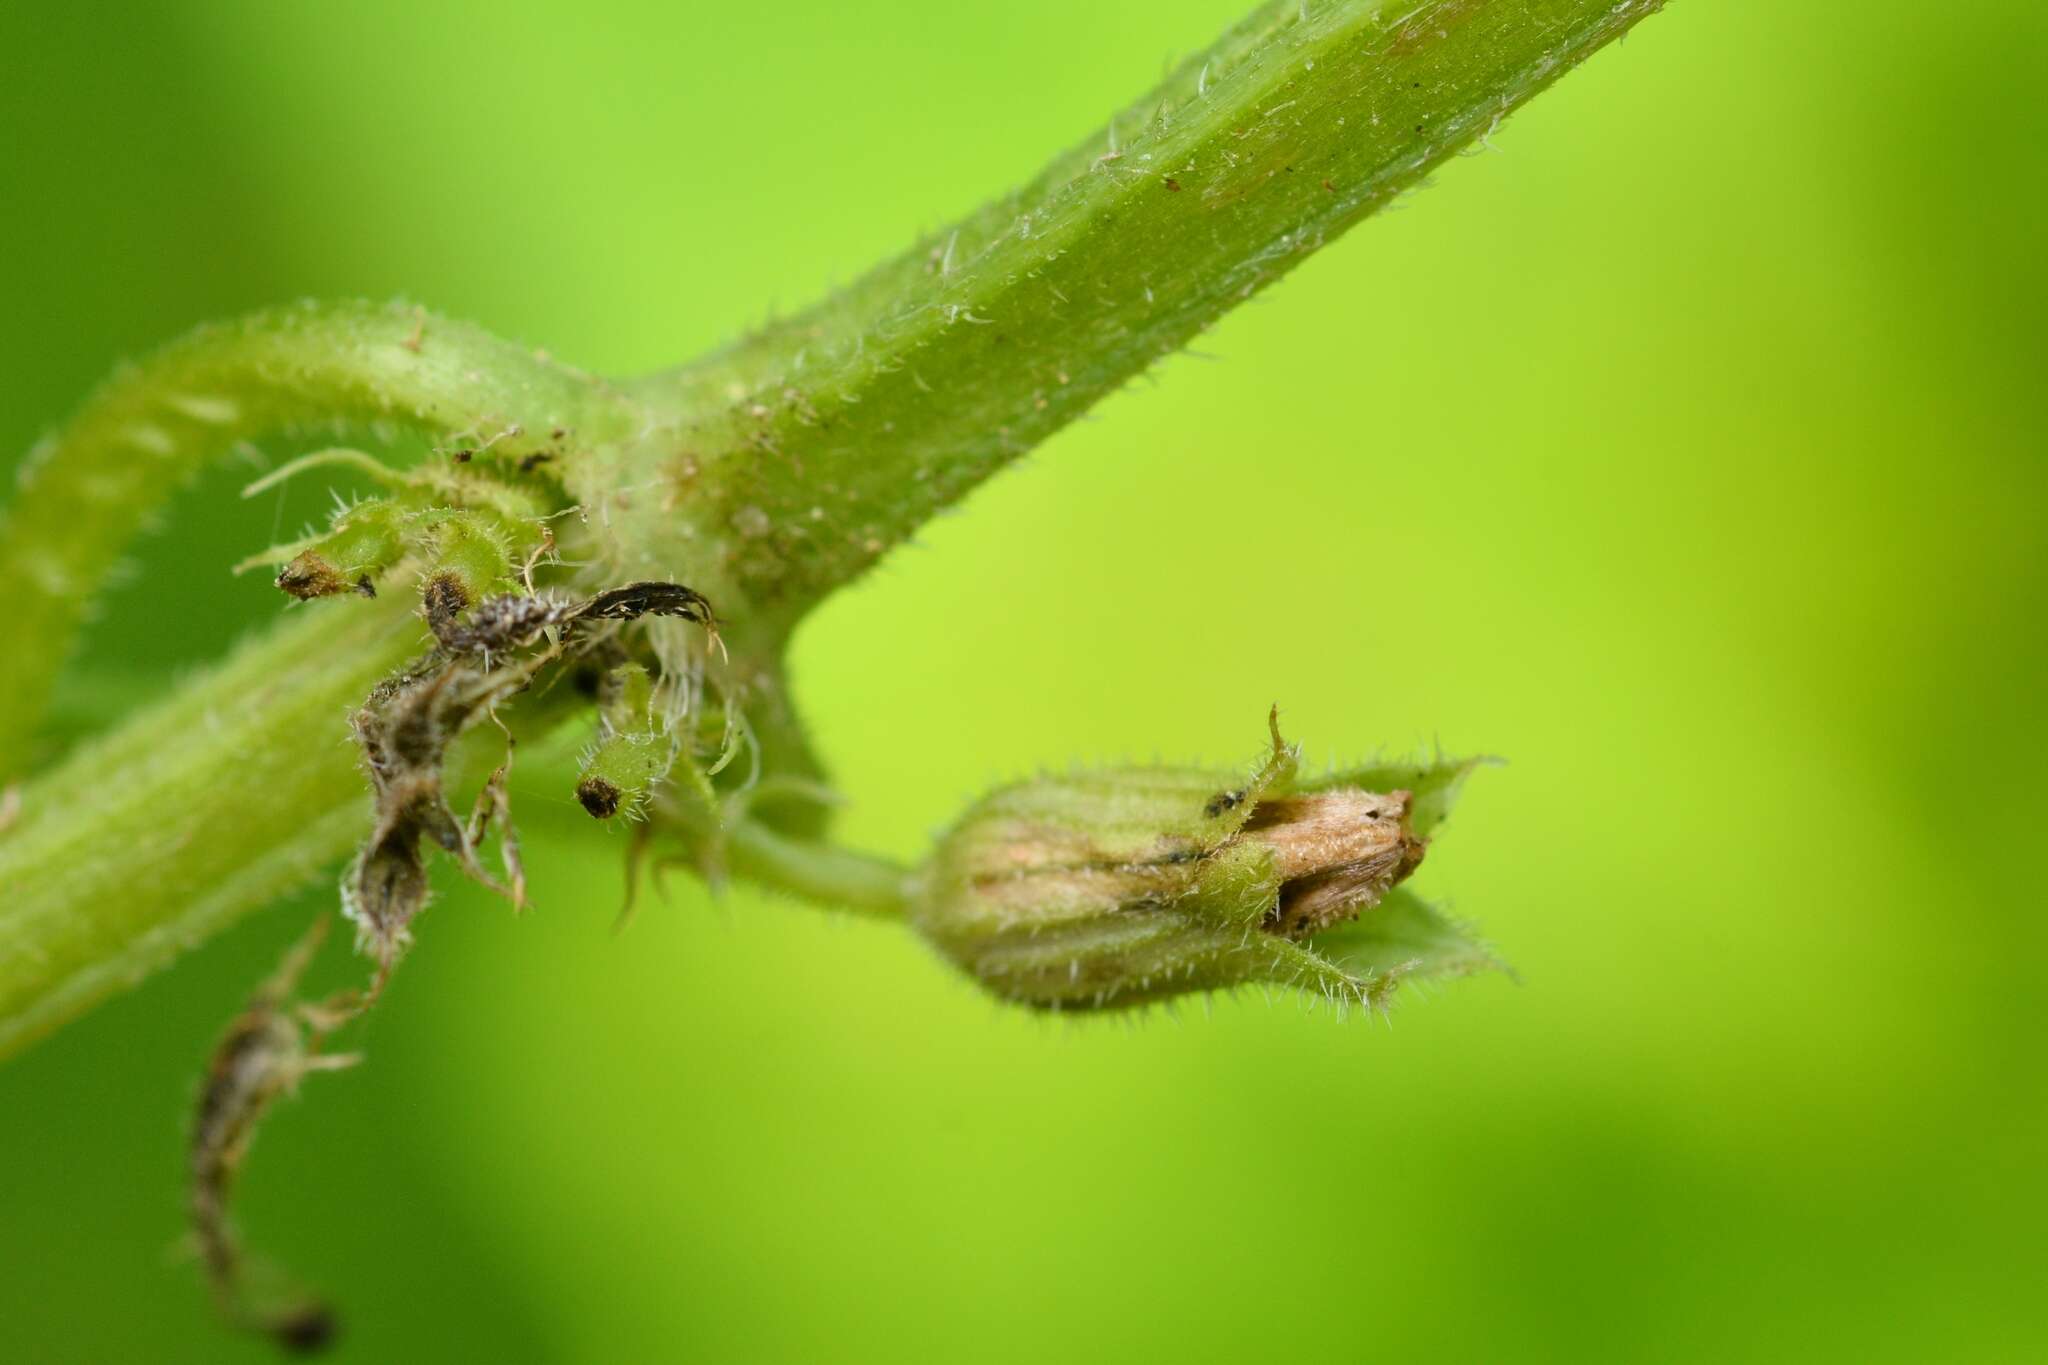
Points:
(831, 876)
(235, 790)
(856, 421)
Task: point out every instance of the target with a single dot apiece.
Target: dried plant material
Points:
(1336, 852)
(599, 797)
(494, 802)
(499, 624)
(511, 621)
(309, 575)
(406, 726)
(649, 599)
(443, 599)
(267, 1049)
(404, 731)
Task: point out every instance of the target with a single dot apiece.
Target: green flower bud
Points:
(363, 542)
(470, 530)
(1114, 888)
(633, 752)
(468, 559)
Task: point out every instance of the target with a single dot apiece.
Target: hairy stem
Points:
(832, 876)
(237, 789)
(857, 420)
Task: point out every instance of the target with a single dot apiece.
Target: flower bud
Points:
(468, 559)
(1113, 888)
(632, 754)
(363, 542)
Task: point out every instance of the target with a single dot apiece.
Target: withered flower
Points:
(1117, 887)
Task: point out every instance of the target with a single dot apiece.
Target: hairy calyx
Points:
(1107, 889)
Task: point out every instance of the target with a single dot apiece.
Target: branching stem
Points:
(764, 477)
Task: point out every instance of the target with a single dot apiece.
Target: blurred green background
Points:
(1686, 447)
